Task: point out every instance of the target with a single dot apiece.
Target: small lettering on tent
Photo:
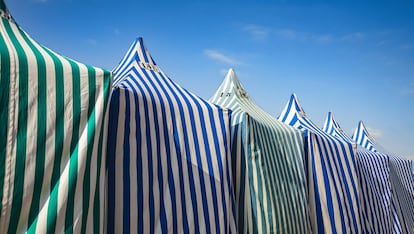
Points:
(149, 66)
(5, 15)
(242, 93)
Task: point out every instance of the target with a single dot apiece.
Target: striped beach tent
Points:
(332, 175)
(52, 114)
(168, 154)
(267, 165)
(401, 179)
(376, 207)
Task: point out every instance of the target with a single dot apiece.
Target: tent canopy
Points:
(267, 164)
(52, 111)
(168, 154)
(332, 175)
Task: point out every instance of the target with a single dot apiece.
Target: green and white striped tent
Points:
(52, 114)
(267, 166)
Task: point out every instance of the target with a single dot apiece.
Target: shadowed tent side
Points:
(267, 165)
(52, 111)
(168, 154)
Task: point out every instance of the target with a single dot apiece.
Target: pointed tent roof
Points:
(52, 111)
(239, 100)
(178, 146)
(363, 138)
(294, 115)
(275, 151)
(333, 172)
(331, 126)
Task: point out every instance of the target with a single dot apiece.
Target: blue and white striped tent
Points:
(52, 115)
(401, 178)
(332, 175)
(376, 209)
(168, 154)
(267, 163)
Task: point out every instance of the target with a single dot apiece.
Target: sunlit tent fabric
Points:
(52, 112)
(168, 154)
(376, 207)
(402, 181)
(268, 171)
(332, 175)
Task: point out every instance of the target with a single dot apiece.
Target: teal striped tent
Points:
(52, 114)
(267, 166)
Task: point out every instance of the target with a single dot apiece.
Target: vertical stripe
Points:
(22, 132)
(73, 162)
(4, 103)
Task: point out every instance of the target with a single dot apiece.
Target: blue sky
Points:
(354, 59)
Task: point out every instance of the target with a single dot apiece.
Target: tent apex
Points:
(4, 12)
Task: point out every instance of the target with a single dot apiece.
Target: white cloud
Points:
(408, 89)
(357, 36)
(260, 32)
(117, 32)
(407, 47)
(375, 133)
(215, 55)
(257, 32)
(287, 33)
(92, 42)
(323, 38)
(40, 1)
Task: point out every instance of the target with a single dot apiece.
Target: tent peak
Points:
(230, 88)
(138, 53)
(233, 81)
(4, 12)
(294, 100)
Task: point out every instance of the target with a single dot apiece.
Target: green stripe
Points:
(91, 136)
(3, 5)
(4, 111)
(73, 162)
(21, 133)
(96, 205)
(59, 140)
(41, 134)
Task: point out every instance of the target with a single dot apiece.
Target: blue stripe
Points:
(112, 136)
(126, 179)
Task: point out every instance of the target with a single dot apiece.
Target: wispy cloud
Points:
(220, 57)
(326, 38)
(117, 32)
(257, 32)
(408, 89)
(40, 1)
(407, 47)
(92, 42)
(376, 133)
(381, 43)
(288, 34)
(356, 36)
